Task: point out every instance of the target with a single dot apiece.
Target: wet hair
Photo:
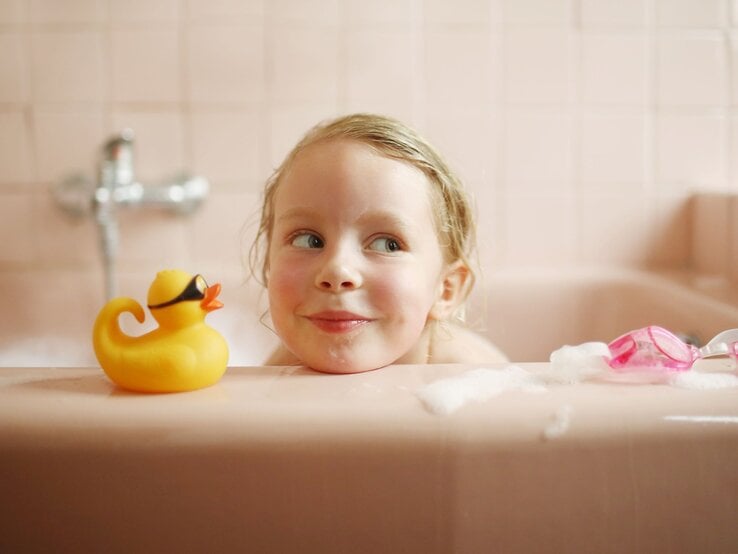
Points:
(454, 220)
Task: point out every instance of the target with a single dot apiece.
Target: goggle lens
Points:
(195, 290)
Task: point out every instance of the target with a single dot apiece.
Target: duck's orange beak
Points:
(211, 302)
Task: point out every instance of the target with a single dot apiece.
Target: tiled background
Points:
(581, 126)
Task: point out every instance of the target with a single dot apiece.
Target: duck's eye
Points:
(385, 244)
(307, 240)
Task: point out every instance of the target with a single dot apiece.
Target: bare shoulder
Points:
(455, 344)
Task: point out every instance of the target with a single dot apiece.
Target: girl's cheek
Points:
(284, 276)
(396, 287)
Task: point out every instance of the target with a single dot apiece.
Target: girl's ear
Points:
(452, 290)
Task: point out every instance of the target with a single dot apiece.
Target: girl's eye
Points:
(385, 244)
(307, 240)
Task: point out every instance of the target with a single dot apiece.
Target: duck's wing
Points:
(160, 368)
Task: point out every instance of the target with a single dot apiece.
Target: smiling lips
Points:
(337, 321)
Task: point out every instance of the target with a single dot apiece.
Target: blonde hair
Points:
(451, 208)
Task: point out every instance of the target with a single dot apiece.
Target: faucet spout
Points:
(109, 239)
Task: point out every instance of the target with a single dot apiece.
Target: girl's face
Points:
(355, 266)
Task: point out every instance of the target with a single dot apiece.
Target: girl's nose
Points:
(338, 273)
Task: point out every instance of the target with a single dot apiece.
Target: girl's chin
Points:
(343, 370)
(343, 366)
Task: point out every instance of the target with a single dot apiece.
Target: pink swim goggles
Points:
(654, 348)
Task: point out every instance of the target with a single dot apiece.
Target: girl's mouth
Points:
(338, 321)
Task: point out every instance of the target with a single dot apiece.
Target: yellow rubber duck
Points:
(182, 354)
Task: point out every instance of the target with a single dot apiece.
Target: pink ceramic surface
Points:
(530, 313)
(288, 460)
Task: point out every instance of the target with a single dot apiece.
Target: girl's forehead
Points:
(337, 169)
(344, 156)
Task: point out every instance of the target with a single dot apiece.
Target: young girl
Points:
(364, 242)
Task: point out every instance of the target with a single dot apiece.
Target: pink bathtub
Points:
(528, 313)
(288, 460)
(531, 313)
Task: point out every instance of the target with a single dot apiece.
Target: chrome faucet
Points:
(117, 187)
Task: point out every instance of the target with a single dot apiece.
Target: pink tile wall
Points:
(582, 128)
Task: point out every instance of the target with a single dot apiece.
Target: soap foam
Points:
(704, 381)
(572, 364)
(560, 423)
(445, 396)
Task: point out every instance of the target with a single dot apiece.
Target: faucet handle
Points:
(194, 191)
(75, 195)
(182, 195)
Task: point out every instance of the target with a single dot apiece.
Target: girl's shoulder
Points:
(453, 344)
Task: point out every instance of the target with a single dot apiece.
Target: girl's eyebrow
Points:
(389, 219)
(298, 212)
(385, 218)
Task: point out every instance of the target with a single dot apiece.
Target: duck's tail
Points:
(107, 338)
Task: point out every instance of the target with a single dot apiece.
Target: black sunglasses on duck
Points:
(195, 290)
